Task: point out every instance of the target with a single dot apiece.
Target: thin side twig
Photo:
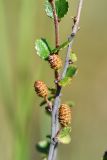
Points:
(71, 37)
(56, 23)
(58, 93)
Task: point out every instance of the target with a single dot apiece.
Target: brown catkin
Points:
(55, 61)
(41, 88)
(65, 115)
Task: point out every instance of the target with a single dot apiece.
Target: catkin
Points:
(55, 61)
(65, 115)
(41, 88)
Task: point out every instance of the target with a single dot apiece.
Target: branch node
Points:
(56, 81)
(74, 19)
(70, 61)
(48, 109)
(53, 141)
(73, 34)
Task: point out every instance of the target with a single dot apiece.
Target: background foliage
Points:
(22, 123)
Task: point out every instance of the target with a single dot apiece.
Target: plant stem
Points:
(56, 73)
(54, 124)
(71, 37)
(56, 23)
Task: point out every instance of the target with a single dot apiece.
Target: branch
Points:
(59, 88)
(71, 37)
(56, 23)
(54, 123)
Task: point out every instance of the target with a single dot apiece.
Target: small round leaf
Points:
(42, 48)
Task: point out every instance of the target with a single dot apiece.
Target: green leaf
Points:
(42, 48)
(65, 131)
(61, 8)
(65, 81)
(73, 57)
(105, 156)
(71, 71)
(48, 9)
(62, 46)
(65, 140)
(43, 146)
(64, 135)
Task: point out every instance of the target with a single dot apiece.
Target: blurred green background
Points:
(22, 121)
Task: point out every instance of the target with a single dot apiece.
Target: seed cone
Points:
(41, 88)
(55, 61)
(65, 115)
